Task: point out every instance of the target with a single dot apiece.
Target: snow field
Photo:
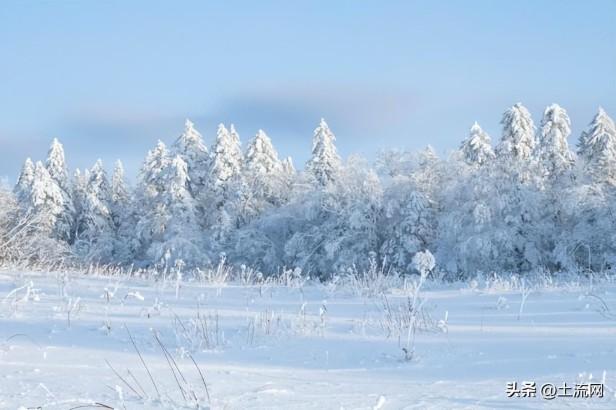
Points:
(307, 345)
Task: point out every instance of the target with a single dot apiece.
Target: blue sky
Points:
(110, 78)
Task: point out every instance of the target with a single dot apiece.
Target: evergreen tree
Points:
(190, 147)
(56, 165)
(477, 148)
(224, 188)
(597, 148)
(124, 216)
(324, 165)
(152, 213)
(264, 176)
(554, 153)
(49, 203)
(179, 237)
(95, 239)
(24, 184)
(78, 194)
(288, 167)
(120, 194)
(518, 141)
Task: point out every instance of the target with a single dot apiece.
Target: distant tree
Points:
(518, 141)
(191, 148)
(51, 205)
(56, 165)
(224, 187)
(23, 188)
(553, 149)
(178, 238)
(264, 176)
(597, 148)
(150, 225)
(477, 148)
(324, 164)
(124, 216)
(95, 239)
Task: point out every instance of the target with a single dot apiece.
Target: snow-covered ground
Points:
(301, 346)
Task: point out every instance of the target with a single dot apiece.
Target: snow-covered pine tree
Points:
(78, 194)
(597, 148)
(120, 194)
(56, 165)
(288, 167)
(518, 140)
(150, 226)
(123, 215)
(324, 163)
(289, 174)
(224, 187)
(49, 204)
(179, 239)
(191, 148)
(95, 240)
(553, 149)
(264, 177)
(23, 188)
(477, 148)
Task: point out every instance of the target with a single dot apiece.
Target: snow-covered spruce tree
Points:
(50, 205)
(224, 187)
(553, 149)
(191, 148)
(95, 238)
(554, 165)
(324, 164)
(477, 148)
(23, 188)
(152, 214)
(56, 165)
(178, 237)
(124, 216)
(597, 149)
(288, 167)
(518, 140)
(264, 178)
(518, 217)
(289, 175)
(58, 171)
(78, 195)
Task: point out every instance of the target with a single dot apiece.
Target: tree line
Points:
(527, 203)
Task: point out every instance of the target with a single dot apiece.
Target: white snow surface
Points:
(307, 346)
